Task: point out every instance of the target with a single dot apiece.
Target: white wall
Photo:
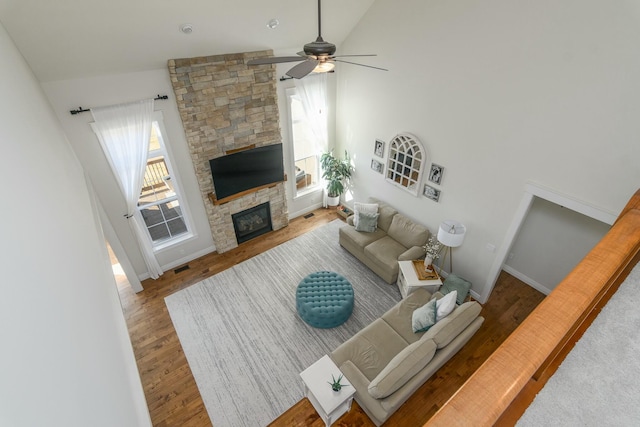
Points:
(66, 358)
(551, 242)
(501, 93)
(107, 90)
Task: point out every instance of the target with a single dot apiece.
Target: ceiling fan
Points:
(317, 56)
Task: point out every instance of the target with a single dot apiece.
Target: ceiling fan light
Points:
(324, 67)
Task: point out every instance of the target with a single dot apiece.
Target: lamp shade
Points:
(451, 233)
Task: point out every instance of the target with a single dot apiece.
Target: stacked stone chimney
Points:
(226, 105)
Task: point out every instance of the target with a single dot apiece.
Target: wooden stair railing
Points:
(503, 387)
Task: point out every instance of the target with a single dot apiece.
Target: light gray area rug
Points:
(243, 339)
(597, 384)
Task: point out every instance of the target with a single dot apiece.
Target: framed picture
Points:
(379, 148)
(376, 165)
(431, 193)
(435, 174)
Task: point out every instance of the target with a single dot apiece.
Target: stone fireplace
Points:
(226, 105)
(252, 222)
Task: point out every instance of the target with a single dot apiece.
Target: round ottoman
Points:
(324, 299)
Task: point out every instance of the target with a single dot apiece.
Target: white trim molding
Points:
(533, 190)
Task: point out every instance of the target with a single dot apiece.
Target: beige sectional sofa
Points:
(396, 238)
(386, 362)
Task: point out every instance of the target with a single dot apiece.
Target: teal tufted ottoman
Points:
(324, 299)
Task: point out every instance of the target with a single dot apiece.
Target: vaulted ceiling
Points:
(67, 39)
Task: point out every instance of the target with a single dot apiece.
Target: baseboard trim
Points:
(181, 261)
(529, 281)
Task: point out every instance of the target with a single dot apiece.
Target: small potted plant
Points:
(432, 253)
(336, 385)
(335, 172)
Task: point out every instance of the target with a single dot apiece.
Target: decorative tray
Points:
(418, 265)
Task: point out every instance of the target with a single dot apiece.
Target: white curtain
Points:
(312, 91)
(124, 131)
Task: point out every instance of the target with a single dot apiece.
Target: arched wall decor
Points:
(405, 162)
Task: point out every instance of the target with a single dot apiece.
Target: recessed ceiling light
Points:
(273, 23)
(186, 28)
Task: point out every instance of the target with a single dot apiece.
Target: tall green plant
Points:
(335, 172)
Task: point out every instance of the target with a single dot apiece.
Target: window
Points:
(405, 162)
(160, 204)
(305, 148)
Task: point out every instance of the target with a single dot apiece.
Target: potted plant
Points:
(336, 385)
(335, 172)
(432, 253)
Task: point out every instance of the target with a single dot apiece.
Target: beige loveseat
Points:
(396, 238)
(386, 362)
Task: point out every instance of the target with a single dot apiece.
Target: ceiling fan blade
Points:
(362, 65)
(346, 56)
(302, 69)
(274, 60)
(302, 53)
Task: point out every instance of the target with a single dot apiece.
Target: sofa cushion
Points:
(367, 222)
(402, 368)
(424, 317)
(385, 253)
(399, 316)
(443, 332)
(406, 232)
(386, 213)
(371, 349)
(359, 239)
(455, 283)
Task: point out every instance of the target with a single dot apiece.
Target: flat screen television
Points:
(244, 170)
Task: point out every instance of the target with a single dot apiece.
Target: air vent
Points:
(307, 216)
(181, 269)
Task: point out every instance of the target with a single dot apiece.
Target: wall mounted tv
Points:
(247, 169)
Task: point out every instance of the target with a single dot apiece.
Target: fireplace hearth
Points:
(252, 222)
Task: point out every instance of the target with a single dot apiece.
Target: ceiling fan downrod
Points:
(319, 39)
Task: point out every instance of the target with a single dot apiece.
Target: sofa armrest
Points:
(451, 326)
(371, 406)
(404, 366)
(414, 252)
(350, 219)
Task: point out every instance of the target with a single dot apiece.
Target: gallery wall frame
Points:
(377, 166)
(431, 193)
(378, 148)
(435, 173)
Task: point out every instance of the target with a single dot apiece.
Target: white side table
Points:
(408, 280)
(330, 404)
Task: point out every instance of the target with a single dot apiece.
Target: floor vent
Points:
(181, 269)
(307, 216)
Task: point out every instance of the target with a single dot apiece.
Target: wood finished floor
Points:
(170, 389)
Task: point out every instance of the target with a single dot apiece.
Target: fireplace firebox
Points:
(252, 222)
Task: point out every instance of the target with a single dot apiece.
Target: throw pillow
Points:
(445, 305)
(366, 222)
(370, 208)
(404, 366)
(424, 317)
(455, 283)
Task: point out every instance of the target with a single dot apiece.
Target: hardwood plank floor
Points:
(170, 389)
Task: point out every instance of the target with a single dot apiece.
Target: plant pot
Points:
(427, 263)
(333, 201)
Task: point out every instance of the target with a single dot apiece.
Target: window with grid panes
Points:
(160, 202)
